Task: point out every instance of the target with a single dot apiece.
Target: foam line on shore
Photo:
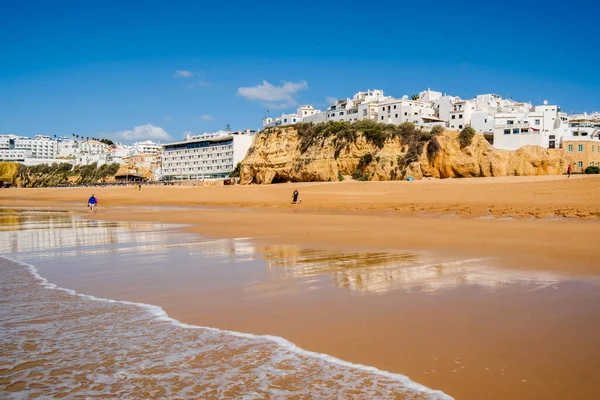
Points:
(161, 315)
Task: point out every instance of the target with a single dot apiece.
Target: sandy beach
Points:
(529, 337)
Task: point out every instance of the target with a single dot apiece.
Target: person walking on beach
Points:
(295, 198)
(92, 204)
(569, 169)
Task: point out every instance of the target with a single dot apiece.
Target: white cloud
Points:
(182, 73)
(144, 132)
(203, 83)
(283, 94)
(330, 100)
(206, 117)
(168, 118)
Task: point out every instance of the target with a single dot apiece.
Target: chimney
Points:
(247, 131)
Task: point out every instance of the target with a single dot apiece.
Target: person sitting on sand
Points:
(295, 198)
(92, 204)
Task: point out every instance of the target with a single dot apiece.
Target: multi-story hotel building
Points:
(20, 148)
(210, 155)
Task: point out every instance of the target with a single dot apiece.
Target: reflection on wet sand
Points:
(380, 272)
(49, 233)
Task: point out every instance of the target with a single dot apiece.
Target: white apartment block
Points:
(541, 125)
(584, 127)
(398, 111)
(91, 151)
(39, 150)
(210, 155)
(290, 119)
(363, 105)
(147, 147)
(66, 148)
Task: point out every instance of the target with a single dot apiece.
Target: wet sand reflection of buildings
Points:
(37, 231)
(380, 272)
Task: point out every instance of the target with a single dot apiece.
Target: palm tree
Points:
(415, 97)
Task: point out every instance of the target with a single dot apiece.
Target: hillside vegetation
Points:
(64, 174)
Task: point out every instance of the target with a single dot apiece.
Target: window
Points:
(580, 148)
(396, 115)
(459, 116)
(405, 114)
(516, 131)
(454, 117)
(485, 121)
(507, 131)
(394, 106)
(510, 122)
(460, 127)
(285, 120)
(382, 108)
(382, 117)
(364, 112)
(580, 164)
(536, 122)
(592, 149)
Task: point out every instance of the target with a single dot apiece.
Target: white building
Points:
(91, 151)
(363, 105)
(210, 155)
(398, 111)
(66, 148)
(39, 150)
(584, 126)
(290, 119)
(541, 125)
(147, 147)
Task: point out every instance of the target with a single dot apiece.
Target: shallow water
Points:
(60, 344)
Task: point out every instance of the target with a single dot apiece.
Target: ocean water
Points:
(57, 343)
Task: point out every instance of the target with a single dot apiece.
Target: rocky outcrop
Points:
(281, 155)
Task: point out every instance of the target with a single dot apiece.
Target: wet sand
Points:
(536, 340)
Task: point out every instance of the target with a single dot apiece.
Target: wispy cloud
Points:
(203, 83)
(182, 73)
(275, 96)
(331, 100)
(144, 132)
(168, 118)
(206, 117)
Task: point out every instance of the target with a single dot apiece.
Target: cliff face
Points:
(281, 155)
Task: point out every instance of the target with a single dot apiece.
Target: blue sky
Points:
(104, 68)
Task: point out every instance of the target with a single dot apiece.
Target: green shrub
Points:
(340, 176)
(365, 160)
(436, 130)
(359, 175)
(466, 137)
(592, 169)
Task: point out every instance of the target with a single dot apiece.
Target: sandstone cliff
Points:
(285, 154)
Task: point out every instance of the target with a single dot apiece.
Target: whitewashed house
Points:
(542, 126)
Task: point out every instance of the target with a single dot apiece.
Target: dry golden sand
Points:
(535, 223)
